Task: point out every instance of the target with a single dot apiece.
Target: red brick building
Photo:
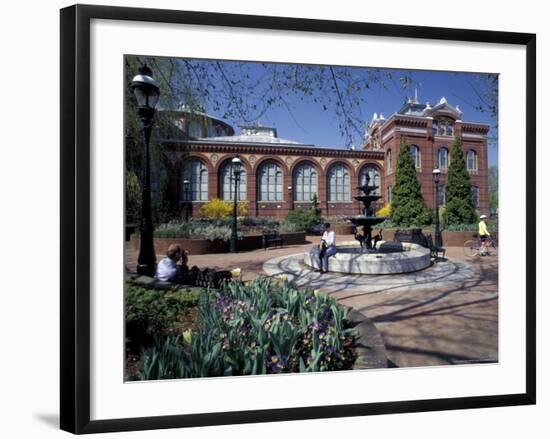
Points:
(281, 175)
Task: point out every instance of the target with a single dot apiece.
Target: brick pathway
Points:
(446, 314)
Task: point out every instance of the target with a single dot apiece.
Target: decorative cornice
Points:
(477, 128)
(196, 146)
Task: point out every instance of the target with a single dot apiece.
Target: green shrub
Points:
(458, 189)
(259, 221)
(196, 229)
(301, 220)
(149, 311)
(443, 215)
(259, 328)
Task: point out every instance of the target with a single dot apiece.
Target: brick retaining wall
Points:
(205, 246)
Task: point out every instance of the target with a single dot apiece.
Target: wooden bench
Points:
(434, 250)
(271, 239)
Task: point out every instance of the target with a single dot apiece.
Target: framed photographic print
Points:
(261, 213)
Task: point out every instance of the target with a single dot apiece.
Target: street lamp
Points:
(147, 94)
(236, 164)
(436, 174)
(186, 198)
(290, 197)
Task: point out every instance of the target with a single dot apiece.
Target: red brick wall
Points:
(323, 159)
(429, 148)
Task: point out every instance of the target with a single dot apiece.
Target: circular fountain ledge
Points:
(389, 258)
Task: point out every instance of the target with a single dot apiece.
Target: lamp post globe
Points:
(436, 173)
(147, 95)
(236, 164)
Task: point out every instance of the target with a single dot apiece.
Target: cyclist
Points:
(483, 235)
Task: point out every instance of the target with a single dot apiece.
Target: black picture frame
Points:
(75, 217)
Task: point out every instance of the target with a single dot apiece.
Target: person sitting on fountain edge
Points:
(327, 247)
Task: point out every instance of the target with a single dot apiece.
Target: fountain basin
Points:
(388, 258)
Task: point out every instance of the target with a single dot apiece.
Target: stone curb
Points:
(371, 352)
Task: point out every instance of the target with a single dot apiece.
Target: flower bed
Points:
(261, 328)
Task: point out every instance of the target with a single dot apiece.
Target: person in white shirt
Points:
(167, 268)
(327, 247)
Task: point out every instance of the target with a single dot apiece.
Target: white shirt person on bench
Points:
(327, 247)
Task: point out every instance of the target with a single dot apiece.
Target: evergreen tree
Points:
(407, 205)
(458, 190)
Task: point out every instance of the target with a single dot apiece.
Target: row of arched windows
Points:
(270, 182)
(443, 158)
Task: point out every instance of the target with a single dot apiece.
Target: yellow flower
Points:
(236, 272)
(187, 336)
(282, 277)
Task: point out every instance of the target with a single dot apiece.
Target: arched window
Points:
(443, 158)
(196, 176)
(227, 183)
(374, 178)
(441, 200)
(305, 182)
(475, 196)
(194, 129)
(471, 160)
(338, 183)
(415, 153)
(388, 162)
(270, 182)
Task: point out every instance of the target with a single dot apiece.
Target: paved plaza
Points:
(445, 314)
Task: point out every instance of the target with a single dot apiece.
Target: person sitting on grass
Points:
(167, 269)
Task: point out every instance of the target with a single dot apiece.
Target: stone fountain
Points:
(364, 257)
(367, 219)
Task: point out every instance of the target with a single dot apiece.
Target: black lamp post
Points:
(290, 197)
(438, 241)
(236, 163)
(147, 94)
(186, 198)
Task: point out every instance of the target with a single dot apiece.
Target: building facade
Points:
(281, 175)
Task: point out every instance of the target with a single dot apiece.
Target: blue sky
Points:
(309, 124)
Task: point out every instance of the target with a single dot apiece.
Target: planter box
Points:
(205, 246)
(194, 246)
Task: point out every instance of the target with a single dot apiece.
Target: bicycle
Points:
(472, 247)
